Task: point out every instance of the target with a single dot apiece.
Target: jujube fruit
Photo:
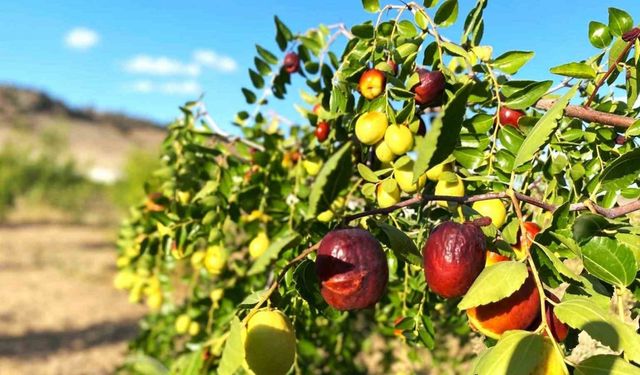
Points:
(509, 117)
(551, 362)
(493, 258)
(558, 329)
(372, 83)
(258, 245)
(454, 255)
(526, 239)
(430, 87)
(312, 165)
(269, 343)
(434, 173)
(399, 139)
(387, 193)
(492, 208)
(215, 259)
(370, 127)
(352, 269)
(404, 178)
(291, 62)
(322, 131)
(454, 189)
(383, 153)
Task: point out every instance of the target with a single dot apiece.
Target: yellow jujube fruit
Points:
(182, 323)
(194, 329)
(399, 139)
(258, 245)
(215, 259)
(387, 193)
(154, 301)
(492, 208)
(197, 258)
(312, 165)
(551, 362)
(269, 343)
(455, 189)
(404, 177)
(124, 279)
(434, 173)
(383, 153)
(370, 127)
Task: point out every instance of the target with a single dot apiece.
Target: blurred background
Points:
(86, 89)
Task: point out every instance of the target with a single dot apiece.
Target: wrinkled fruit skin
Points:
(322, 131)
(352, 269)
(509, 117)
(430, 87)
(372, 83)
(454, 256)
(269, 343)
(517, 311)
(291, 62)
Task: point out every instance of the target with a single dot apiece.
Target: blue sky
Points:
(96, 53)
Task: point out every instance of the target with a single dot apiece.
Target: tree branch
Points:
(588, 114)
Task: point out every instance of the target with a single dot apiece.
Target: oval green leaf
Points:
(619, 21)
(496, 282)
(528, 95)
(511, 62)
(609, 260)
(517, 352)
(599, 34)
(575, 70)
(603, 364)
(333, 177)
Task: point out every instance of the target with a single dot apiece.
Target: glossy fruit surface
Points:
(399, 139)
(352, 269)
(430, 87)
(493, 258)
(454, 255)
(517, 311)
(291, 62)
(258, 245)
(383, 153)
(434, 173)
(269, 343)
(404, 178)
(558, 329)
(387, 193)
(322, 131)
(370, 127)
(215, 259)
(510, 117)
(372, 83)
(454, 189)
(493, 208)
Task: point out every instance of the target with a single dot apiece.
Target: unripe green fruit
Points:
(182, 324)
(383, 153)
(215, 259)
(404, 178)
(387, 193)
(258, 245)
(370, 127)
(269, 343)
(455, 189)
(399, 139)
(492, 208)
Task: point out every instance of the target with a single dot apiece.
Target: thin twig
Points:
(588, 114)
(613, 67)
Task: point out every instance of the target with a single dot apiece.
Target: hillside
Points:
(98, 142)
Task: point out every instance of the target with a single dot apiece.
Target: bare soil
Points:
(59, 313)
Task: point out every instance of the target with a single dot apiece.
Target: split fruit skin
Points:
(372, 83)
(454, 255)
(510, 117)
(352, 269)
(430, 87)
(269, 343)
(517, 311)
(291, 62)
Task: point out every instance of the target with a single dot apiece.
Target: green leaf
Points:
(557, 263)
(632, 241)
(443, 133)
(233, 353)
(615, 51)
(582, 313)
(447, 14)
(589, 225)
(256, 79)
(468, 157)
(266, 55)
(363, 31)
(609, 260)
(599, 34)
(455, 50)
(496, 282)
(188, 364)
(575, 70)
(528, 95)
(367, 173)
(146, 365)
(619, 21)
(406, 49)
(249, 96)
(604, 364)
(252, 299)
(283, 242)
(421, 20)
(540, 133)
(511, 62)
(333, 177)
(633, 130)
(517, 352)
(371, 5)
(401, 245)
(622, 172)
(407, 29)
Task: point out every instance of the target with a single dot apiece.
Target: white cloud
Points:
(81, 38)
(188, 87)
(212, 60)
(160, 66)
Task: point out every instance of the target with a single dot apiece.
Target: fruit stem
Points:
(496, 121)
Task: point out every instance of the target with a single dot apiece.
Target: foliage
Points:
(549, 168)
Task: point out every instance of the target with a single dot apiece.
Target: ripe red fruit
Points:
(316, 108)
(430, 87)
(454, 256)
(393, 65)
(352, 269)
(621, 139)
(509, 117)
(558, 329)
(322, 131)
(291, 62)
(372, 83)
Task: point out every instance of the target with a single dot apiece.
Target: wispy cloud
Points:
(81, 38)
(189, 87)
(210, 59)
(160, 66)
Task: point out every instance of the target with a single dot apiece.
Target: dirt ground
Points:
(59, 313)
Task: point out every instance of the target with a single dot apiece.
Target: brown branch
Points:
(588, 114)
(423, 199)
(613, 67)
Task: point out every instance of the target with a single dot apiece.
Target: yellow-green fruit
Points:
(370, 127)
(269, 343)
(215, 259)
(434, 173)
(404, 178)
(194, 328)
(258, 245)
(197, 259)
(182, 323)
(455, 189)
(387, 193)
(399, 139)
(312, 165)
(492, 208)
(551, 362)
(154, 300)
(383, 153)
